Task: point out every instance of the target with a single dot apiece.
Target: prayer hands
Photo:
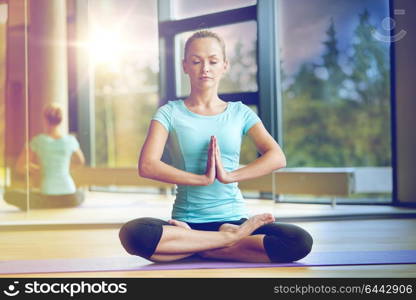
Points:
(214, 164)
(210, 169)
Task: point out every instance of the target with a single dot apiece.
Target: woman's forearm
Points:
(161, 171)
(263, 165)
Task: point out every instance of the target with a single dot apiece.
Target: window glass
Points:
(241, 48)
(189, 8)
(335, 72)
(124, 55)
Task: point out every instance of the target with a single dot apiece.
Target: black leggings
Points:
(37, 200)
(283, 242)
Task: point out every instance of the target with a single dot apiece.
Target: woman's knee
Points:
(141, 236)
(16, 198)
(302, 244)
(291, 244)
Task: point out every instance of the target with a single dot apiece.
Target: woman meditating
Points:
(51, 155)
(203, 135)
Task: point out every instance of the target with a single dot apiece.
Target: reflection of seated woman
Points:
(51, 155)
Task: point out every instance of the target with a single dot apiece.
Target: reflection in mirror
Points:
(47, 160)
(36, 161)
(3, 43)
(118, 79)
(13, 104)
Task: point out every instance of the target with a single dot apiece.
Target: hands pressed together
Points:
(215, 169)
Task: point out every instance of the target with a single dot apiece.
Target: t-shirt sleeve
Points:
(249, 118)
(74, 143)
(164, 116)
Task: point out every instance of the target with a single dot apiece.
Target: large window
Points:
(124, 60)
(336, 89)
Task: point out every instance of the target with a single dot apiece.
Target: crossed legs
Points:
(37, 200)
(256, 240)
(231, 242)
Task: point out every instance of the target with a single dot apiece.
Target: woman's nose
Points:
(205, 67)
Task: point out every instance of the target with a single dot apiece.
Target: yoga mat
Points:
(133, 263)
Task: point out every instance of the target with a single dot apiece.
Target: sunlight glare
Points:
(106, 47)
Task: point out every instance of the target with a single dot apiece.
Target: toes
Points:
(174, 222)
(179, 223)
(268, 218)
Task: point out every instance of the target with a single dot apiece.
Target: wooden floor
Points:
(48, 242)
(329, 236)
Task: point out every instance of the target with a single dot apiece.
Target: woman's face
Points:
(204, 63)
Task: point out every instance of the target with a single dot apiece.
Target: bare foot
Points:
(253, 223)
(179, 224)
(228, 227)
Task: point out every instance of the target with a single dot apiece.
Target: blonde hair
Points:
(204, 34)
(53, 114)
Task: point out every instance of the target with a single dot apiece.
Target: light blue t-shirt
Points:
(55, 158)
(187, 149)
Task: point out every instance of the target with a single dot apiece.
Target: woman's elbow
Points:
(77, 159)
(145, 169)
(280, 161)
(142, 171)
(80, 162)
